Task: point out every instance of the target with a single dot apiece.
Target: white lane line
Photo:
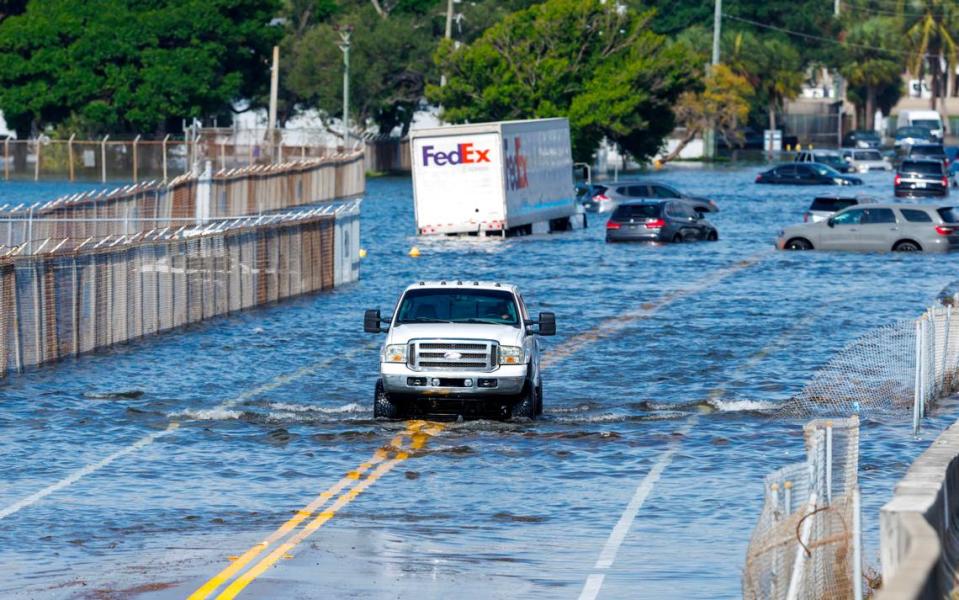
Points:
(593, 584)
(149, 439)
(618, 534)
(83, 472)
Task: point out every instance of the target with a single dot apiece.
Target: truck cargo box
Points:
(494, 178)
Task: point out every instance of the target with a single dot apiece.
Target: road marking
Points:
(594, 582)
(614, 325)
(83, 472)
(418, 433)
(149, 439)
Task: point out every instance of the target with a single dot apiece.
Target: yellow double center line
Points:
(288, 536)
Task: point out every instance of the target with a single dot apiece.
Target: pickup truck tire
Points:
(539, 399)
(526, 405)
(383, 407)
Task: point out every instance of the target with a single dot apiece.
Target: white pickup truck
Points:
(460, 347)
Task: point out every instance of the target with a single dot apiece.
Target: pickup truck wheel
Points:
(525, 407)
(383, 407)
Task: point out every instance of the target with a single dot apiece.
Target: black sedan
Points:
(806, 174)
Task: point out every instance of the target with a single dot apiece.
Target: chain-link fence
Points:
(807, 543)
(137, 159)
(72, 296)
(891, 371)
(185, 200)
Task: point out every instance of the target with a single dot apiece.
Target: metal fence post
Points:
(788, 497)
(103, 158)
(917, 391)
(36, 162)
(163, 151)
(136, 141)
(6, 158)
(828, 463)
(70, 155)
(945, 351)
(857, 544)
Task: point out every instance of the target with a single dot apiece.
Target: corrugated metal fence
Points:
(73, 289)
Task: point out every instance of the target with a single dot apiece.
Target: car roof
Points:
(463, 283)
(922, 160)
(900, 205)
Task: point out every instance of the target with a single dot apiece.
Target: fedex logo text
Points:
(465, 154)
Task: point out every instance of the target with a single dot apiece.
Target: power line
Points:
(817, 37)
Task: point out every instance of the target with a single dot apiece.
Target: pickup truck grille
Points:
(453, 355)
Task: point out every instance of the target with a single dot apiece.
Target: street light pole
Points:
(344, 45)
(717, 29)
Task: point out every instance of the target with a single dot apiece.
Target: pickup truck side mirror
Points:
(831, 222)
(547, 323)
(371, 321)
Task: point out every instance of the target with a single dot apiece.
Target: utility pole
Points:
(836, 8)
(344, 45)
(449, 32)
(717, 29)
(274, 93)
(709, 136)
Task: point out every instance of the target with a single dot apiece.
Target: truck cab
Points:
(460, 347)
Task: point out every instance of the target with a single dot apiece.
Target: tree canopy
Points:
(113, 66)
(598, 63)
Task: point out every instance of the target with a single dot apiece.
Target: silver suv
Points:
(878, 228)
(464, 348)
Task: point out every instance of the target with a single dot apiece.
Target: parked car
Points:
(878, 228)
(825, 157)
(921, 177)
(929, 151)
(464, 347)
(664, 221)
(862, 138)
(866, 160)
(824, 207)
(908, 136)
(806, 174)
(617, 192)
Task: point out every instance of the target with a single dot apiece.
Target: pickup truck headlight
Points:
(511, 355)
(394, 353)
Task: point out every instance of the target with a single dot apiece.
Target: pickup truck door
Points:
(530, 342)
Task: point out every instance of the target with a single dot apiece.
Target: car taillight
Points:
(657, 224)
(898, 179)
(945, 182)
(805, 217)
(942, 230)
(600, 198)
(759, 178)
(612, 225)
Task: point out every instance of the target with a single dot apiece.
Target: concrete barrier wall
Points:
(919, 546)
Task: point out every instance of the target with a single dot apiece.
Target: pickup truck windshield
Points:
(458, 305)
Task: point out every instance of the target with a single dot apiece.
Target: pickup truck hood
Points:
(504, 334)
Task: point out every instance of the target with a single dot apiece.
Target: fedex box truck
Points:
(510, 177)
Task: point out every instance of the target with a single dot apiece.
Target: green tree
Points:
(772, 66)
(597, 63)
(390, 61)
(872, 64)
(129, 66)
(928, 26)
(723, 104)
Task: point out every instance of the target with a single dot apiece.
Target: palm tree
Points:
(771, 65)
(867, 65)
(928, 29)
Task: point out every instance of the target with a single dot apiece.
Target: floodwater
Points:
(273, 406)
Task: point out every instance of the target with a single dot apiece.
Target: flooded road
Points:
(643, 477)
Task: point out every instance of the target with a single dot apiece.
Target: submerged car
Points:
(864, 161)
(878, 228)
(672, 221)
(862, 138)
(909, 136)
(824, 207)
(461, 348)
(806, 174)
(826, 157)
(617, 192)
(925, 177)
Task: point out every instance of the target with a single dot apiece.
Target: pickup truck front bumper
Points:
(507, 380)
